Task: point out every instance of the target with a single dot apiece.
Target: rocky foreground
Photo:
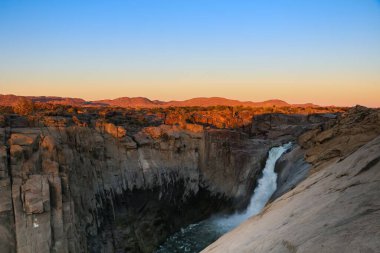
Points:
(335, 209)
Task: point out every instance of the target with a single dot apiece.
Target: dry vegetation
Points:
(23, 106)
(134, 119)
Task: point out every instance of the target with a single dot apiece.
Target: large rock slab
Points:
(336, 209)
(35, 194)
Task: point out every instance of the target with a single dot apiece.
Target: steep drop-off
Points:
(336, 208)
(196, 237)
(73, 186)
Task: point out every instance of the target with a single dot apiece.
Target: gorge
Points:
(163, 126)
(197, 236)
(77, 179)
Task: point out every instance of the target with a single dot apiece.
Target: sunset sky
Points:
(323, 51)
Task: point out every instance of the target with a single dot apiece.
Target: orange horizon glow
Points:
(323, 95)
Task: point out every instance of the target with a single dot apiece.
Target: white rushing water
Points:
(195, 237)
(266, 186)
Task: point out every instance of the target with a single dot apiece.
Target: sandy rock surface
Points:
(335, 209)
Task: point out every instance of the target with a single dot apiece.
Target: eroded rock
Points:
(35, 194)
(354, 129)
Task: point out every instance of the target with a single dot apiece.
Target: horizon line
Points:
(187, 99)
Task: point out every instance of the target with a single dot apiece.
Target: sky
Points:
(325, 52)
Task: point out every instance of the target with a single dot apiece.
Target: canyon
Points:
(104, 179)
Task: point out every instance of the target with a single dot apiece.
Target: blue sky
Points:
(249, 50)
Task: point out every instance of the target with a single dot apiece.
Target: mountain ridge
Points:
(143, 102)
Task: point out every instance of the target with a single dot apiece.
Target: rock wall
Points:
(286, 126)
(78, 189)
(7, 238)
(291, 169)
(354, 129)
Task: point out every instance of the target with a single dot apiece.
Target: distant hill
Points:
(130, 102)
(201, 101)
(142, 102)
(213, 101)
(8, 100)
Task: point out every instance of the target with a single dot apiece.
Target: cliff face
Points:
(284, 126)
(336, 208)
(66, 188)
(82, 184)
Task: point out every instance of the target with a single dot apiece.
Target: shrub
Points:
(5, 109)
(23, 106)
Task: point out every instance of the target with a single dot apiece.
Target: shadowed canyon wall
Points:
(66, 186)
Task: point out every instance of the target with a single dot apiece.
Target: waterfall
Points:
(196, 237)
(266, 186)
